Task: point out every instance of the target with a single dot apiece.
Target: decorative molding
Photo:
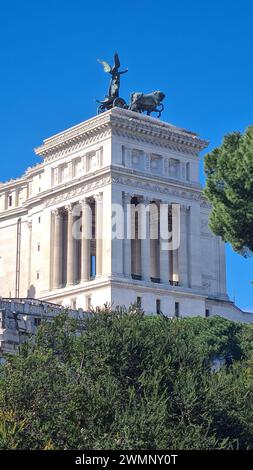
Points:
(84, 202)
(29, 224)
(69, 208)
(166, 165)
(204, 225)
(156, 187)
(184, 208)
(67, 148)
(205, 231)
(98, 198)
(134, 183)
(205, 203)
(126, 198)
(122, 123)
(147, 166)
(146, 139)
(148, 126)
(80, 191)
(57, 212)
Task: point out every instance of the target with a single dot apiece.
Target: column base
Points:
(69, 284)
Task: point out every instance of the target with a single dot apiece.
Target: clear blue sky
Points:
(198, 52)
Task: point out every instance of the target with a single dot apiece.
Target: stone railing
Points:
(20, 318)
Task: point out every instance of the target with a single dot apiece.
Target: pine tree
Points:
(229, 187)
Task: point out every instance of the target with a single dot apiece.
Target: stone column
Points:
(29, 225)
(221, 267)
(175, 242)
(194, 246)
(223, 279)
(183, 248)
(86, 239)
(70, 247)
(145, 240)
(99, 233)
(58, 261)
(154, 240)
(127, 261)
(164, 251)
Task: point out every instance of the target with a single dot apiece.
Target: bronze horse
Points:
(150, 102)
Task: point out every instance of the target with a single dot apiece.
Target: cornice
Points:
(23, 179)
(69, 290)
(135, 182)
(161, 180)
(13, 183)
(113, 175)
(157, 187)
(167, 144)
(79, 191)
(123, 123)
(13, 213)
(76, 138)
(141, 286)
(74, 145)
(149, 129)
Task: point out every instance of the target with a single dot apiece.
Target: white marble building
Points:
(109, 161)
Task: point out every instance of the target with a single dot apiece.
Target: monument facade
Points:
(84, 227)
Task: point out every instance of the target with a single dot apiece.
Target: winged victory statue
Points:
(112, 99)
(139, 102)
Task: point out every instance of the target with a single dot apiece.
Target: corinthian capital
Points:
(84, 202)
(98, 197)
(127, 198)
(57, 212)
(29, 224)
(69, 208)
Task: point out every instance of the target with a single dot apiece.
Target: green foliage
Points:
(10, 428)
(122, 380)
(229, 187)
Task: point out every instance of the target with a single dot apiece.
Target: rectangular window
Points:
(88, 303)
(207, 312)
(158, 306)
(138, 302)
(38, 247)
(156, 164)
(92, 161)
(77, 167)
(176, 309)
(137, 159)
(188, 171)
(93, 266)
(37, 321)
(39, 220)
(10, 201)
(63, 173)
(174, 168)
(38, 275)
(73, 304)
